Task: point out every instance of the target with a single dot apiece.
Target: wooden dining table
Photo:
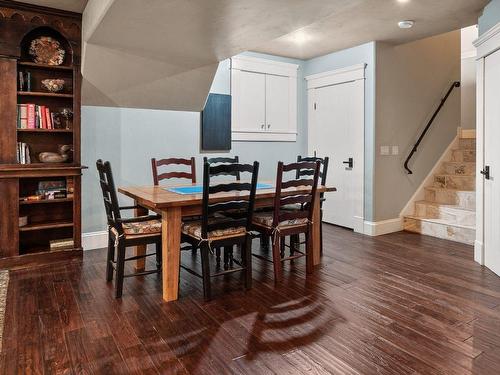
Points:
(173, 207)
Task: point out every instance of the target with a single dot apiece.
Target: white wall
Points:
(468, 77)
(411, 79)
(129, 138)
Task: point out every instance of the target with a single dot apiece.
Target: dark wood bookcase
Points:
(53, 219)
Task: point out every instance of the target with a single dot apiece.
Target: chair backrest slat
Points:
(157, 176)
(297, 183)
(309, 172)
(224, 160)
(234, 186)
(242, 205)
(110, 198)
(306, 197)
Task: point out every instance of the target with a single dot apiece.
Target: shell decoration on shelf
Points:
(53, 85)
(46, 50)
(63, 156)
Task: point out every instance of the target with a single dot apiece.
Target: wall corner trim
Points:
(479, 252)
(379, 228)
(486, 43)
(95, 240)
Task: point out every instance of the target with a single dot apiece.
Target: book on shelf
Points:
(32, 116)
(23, 153)
(62, 244)
(24, 81)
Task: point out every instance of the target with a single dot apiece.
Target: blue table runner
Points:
(198, 189)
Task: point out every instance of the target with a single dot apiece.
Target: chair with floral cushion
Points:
(123, 232)
(323, 172)
(282, 222)
(216, 229)
(228, 252)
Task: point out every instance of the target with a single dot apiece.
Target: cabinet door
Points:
(248, 104)
(278, 104)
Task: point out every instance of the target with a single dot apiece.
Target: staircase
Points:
(448, 209)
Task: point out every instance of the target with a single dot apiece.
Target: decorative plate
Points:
(46, 50)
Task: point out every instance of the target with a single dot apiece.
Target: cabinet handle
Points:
(263, 126)
(268, 126)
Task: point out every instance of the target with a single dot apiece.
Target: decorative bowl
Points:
(53, 85)
(46, 50)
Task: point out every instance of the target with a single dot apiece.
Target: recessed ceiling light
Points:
(403, 1)
(407, 24)
(299, 37)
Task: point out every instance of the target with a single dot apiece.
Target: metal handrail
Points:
(415, 147)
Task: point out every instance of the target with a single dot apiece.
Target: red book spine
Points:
(31, 116)
(47, 118)
(42, 116)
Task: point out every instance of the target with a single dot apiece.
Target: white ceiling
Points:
(70, 5)
(359, 21)
(163, 53)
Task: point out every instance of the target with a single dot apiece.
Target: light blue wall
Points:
(361, 54)
(490, 17)
(129, 138)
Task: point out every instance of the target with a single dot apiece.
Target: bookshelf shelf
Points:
(45, 94)
(46, 226)
(45, 201)
(45, 130)
(30, 64)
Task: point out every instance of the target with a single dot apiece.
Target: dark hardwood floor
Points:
(396, 304)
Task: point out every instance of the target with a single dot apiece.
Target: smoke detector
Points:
(407, 24)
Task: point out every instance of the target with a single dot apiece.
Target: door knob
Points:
(349, 162)
(486, 172)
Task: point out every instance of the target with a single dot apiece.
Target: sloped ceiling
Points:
(163, 54)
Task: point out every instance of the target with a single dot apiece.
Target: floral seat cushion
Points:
(193, 229)
(266, 219)
(142, 228)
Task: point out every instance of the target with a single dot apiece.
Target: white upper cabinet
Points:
(264, 100)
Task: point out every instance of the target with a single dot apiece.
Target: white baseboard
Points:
(379, 228)
(95, 240)
(359, 225)
(479, 252)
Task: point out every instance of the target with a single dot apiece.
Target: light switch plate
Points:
(395, 150)
(384, 150)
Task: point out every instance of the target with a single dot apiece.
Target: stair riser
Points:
(463, 155)
(465, 169)
(451, 215)
(462, 199)
(455, 182)
(463, 235)
(467, 143)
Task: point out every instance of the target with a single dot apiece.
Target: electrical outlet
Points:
(384, 150)
(395, 150)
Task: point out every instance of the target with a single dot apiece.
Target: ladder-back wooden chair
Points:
(323, 172)
(215, 229)
(282, 222)
(123, 232)
(158, 176)
(228, 253)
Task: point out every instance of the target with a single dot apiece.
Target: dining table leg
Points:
(316, 231)
(171, 252)
(140, 264)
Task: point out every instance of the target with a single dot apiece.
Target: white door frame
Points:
(487, 44)
(356, 74)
